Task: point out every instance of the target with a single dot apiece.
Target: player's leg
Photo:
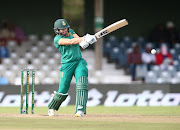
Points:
(132, 71)
(66, 74)
(81, 75)
(56, 102)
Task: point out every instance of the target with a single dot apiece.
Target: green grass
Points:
(30, 122)
(175, 111)
(168, 111)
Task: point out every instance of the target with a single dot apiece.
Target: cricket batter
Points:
(68, 42)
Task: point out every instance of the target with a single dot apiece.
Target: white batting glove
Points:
(84, 44)
(90, 38)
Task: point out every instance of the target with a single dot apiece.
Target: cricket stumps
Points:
(22, 111)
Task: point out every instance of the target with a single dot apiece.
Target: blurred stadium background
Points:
(37, 51)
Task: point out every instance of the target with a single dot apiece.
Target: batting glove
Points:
(84, 44)
(90, 38)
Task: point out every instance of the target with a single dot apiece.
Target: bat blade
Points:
(111, 28)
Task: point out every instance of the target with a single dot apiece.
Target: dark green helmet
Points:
(61, 24)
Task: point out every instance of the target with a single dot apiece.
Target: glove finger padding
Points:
(84, 44)
(90, 38)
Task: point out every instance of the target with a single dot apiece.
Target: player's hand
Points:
(90, 38)
(84, 44)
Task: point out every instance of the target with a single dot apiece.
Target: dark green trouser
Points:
(68, 70)
(80, 71)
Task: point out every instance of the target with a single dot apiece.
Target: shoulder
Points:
(71, 31)
(57, 38)
(158, 55)
(169, 54)
(144, 54)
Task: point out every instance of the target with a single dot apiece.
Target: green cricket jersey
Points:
(69, 53)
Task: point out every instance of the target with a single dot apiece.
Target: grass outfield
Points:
(100, 117)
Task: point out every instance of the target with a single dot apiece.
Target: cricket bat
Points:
(111, 28)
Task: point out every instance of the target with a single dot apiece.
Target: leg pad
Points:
(57, 100)
(81, 94)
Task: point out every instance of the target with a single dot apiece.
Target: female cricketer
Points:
(68, 42)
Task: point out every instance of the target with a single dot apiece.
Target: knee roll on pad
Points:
(82, 83)
(57, 100)
(81, 94)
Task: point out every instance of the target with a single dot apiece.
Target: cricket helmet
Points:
(60, 24)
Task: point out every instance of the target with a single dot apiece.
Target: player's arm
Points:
(82, 41)
(75, 36)
(75, 40)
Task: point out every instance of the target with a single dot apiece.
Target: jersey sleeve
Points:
(72, 31)
(56, 42)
